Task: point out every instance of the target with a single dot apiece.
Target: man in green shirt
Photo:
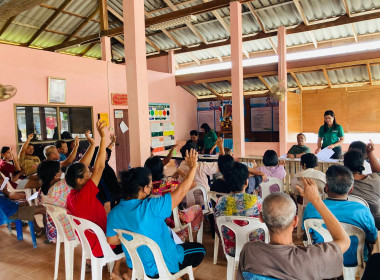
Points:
(296, 151)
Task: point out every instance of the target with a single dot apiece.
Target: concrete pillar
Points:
(106, 48)
(237, 80)
(137, 81)
(171, 62)
(282, 77)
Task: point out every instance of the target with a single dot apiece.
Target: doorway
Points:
(122, 150)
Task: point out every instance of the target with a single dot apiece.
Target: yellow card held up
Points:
(104, 118)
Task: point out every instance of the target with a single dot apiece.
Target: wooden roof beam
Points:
(300, 11)
(272, 45)
(256, 17)
(312, 37)
(66, 12)
(264, 82)
(152, 44)
(82, 25)
(215, 52)
(294, 76)
(13, 8)
(345, 5)
(369, 74)
(48, 22)
(103, 15)
(212, 90)
(354, 32)
(327, 77)
(190, 91)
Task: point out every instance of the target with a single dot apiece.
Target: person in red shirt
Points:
(82, 201)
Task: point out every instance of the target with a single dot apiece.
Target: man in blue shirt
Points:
(138, 213)
(339, 181)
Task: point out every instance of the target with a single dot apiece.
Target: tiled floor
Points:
(18, 259)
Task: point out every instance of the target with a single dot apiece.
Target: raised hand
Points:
(191, 158)
(113, 138)
(100, 125)
(370, 146)
(89, 139)
(309, 190)
(76, 141)
(30, 136)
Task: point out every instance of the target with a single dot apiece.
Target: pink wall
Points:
(160, 64)
(88, 84)
(259, 148)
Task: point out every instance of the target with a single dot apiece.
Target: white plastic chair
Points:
(11, 189)
(265, 186)
(214, 196)
(349, 273)
(109, 257)
(356, 198)
(241, 237)
(58, 214)
(138, 272)
(190, 200)
(301, 207)
(179, 226)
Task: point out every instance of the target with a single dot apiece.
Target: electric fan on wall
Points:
(277, 92)
(6, 92)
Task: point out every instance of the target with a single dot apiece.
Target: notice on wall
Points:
(169, 141)
(119, 114)
(276, 118)
(206, 117)
(157, 142)
(156, 129)
(218, 122)
(124, 128)
(261, 119)
(159, 111)
(168, 129)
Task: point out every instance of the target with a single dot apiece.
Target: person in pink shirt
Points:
(271, 166)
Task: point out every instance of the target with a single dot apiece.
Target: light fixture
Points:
(173, 22)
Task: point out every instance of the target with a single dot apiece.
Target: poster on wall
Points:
(264, 114)
(159, 111)
(157, 142)
(168, 128)
(208, 106)
(169, 141)
(209, 112)
(218, 120)
(206, 117)
(156, 129)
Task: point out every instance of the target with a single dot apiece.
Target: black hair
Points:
(354, 160)
(325, 126)
(66, 135)
(225, 163)
(310, 160)
(339, 179)
(270, 158)
(206, 127)
(187, 147)
(238, 176)
(133, 180)
(302, 135)
(194, 132)
(73, 172)
(58, 144)
(46, 171)
(4, 149)
(360, 147)
(156, 168)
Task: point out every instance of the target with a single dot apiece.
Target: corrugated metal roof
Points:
(95, 51)
(221, 87)
(200, 90)
(322, 9)
(47, 39)
(82, 7)
(375, 71)
(285, 15)
(335, 32)
(186, 37)
(253, 84)
(162, 42)
(273, 80)
(348, 75)
(316, 78)
(18, 34)
(368, 26)
(364, 5)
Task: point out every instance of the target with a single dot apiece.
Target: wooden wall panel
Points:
(294, 115)
(316, 102)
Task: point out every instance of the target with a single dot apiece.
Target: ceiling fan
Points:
(7, 91)
(277, 92)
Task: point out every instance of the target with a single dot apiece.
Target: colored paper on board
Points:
(103, 117)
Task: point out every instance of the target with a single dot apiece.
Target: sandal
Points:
(40, 232)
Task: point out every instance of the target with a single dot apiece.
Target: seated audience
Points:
(51, 153)
(162, 185)
(194, 138)
(168, 157)
(296, 151)
(109, 187)
(309, 162)
(62, 149)
(225, 163)
(20, 210)
(281, 259)
(366, 186)
(55, 190)
(139, 213)
(238, 203)
(362, 148)
(28, 161)
(339, 183)
(271, 167)
(10, 168)
(82, 202)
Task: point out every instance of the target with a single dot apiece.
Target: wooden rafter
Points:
(82, 25)
(294, 76)
(152, 44)
(369, 74)
(327, 77)
(354, 32)
(312, 38)
(118, 38)
(272, 45)
(66, 12)
(189, 24)
(256, 16)
(345, 5)
(218, 56)
(264, 82)
(300, 11)
(212, 90)
(103, 15)
(195, 58)
(12, 8)
(48, 22)
(190, 91)
(6, 25)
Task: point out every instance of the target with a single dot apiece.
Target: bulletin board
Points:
(161, 128)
